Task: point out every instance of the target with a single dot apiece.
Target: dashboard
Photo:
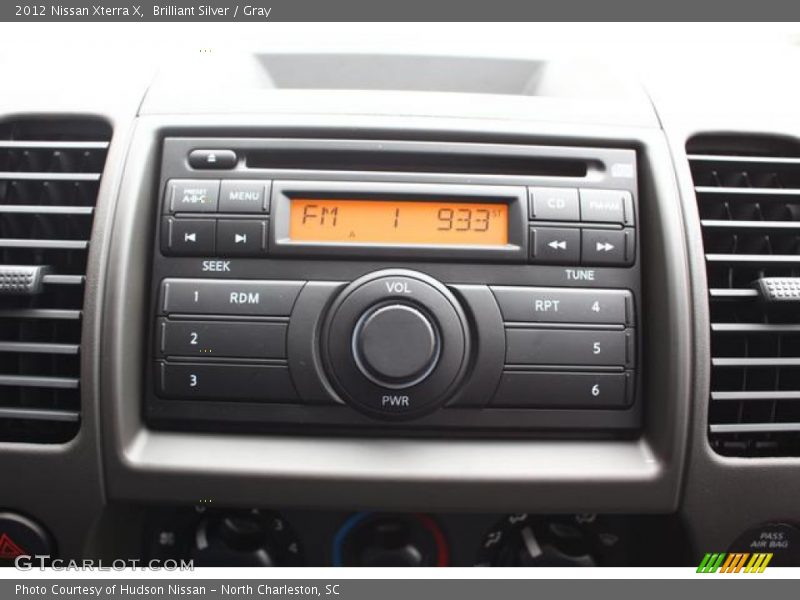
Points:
(374, 308)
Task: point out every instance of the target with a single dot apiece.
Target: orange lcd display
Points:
(398, 222)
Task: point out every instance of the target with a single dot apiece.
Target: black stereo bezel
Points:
(466, 274)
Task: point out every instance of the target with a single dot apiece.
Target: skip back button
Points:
(555, 245)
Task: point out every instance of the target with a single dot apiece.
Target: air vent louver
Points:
(49, 177)
(748, 196)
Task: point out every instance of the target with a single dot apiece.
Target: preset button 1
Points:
(229, 297)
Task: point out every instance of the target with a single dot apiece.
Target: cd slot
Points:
(339, 159)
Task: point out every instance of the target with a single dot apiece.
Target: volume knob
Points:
(395, 345)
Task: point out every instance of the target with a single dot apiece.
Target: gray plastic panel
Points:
(713, 519)
(60, 486)
(617, 476)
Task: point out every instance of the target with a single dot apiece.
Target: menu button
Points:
(244, 196)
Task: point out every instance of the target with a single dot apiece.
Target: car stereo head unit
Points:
(395, 287)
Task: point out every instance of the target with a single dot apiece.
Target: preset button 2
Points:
(223, 339)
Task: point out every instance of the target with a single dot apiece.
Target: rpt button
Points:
(564, 305)
(230, 297)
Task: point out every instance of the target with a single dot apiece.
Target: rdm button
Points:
(229, 297)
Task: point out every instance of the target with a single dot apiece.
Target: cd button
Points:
(554, 204)
(554, 245)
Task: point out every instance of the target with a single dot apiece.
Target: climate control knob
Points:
(395, 344)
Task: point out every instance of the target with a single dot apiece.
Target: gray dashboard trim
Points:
(534, 475)
(61, 485)
(723, 496)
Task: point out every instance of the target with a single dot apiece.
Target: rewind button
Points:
(242, 237)
(188, 237)
(555, 245)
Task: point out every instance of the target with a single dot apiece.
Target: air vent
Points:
(49, 177)
(748, 196)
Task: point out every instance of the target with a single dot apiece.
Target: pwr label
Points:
(393, 401)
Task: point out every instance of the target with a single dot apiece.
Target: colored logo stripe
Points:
(710, 563)
(734, 562)
(758, 563)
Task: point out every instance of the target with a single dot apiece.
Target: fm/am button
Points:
(229, 297)
(564, 305)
